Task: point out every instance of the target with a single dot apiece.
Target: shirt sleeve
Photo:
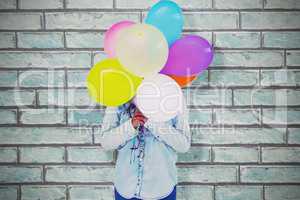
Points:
(114, 134)
(174, 133)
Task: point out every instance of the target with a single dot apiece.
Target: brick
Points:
(270, 20)
(238, 136)
(89, 155)
(45, 135)
(235, 154)
(7, 40)
(195, 154)
(236, 4)
(237, 39)
(278, 4)
(293, 58)
(20, 174)
(41, 4)
(52, 97)
(63, 97)
(101, 4)
(211, 20)
(270, 174)
(294, 136)
(237, 116)
(40, 40)
(8, 4)
(90, 192)
(232, 192)
(281, 116)
(280, 77)
(280, 154)
(80, 174)
(42, 78)
(99, 56)
(77, 78)
(80, 97)
(208, 174)
(53, 59)
(42, 154)
(42, 116)
(17, 98)
(8, 155)
(204, 34)
(194, 192)
(282, 192)
(281, 39)
(22, 21)
(85, 40)
(8, 116)
(143, 4)
(249, 58)
(204, 97)
(227, 78)
(8, 192)
(8, 79)
(49, 192)
(279, 97)
(77, 20)
(201, 80)
(85, 117)
(197, 116)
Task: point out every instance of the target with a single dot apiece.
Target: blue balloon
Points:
(167, 17)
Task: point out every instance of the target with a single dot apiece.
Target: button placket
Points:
(140, 165)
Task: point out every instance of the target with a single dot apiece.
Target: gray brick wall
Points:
(244, 111)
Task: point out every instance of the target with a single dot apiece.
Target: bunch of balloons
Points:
(149, 63)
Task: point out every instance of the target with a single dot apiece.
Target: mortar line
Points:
(43, 21)
(263, 193)
(17, 4)
(114, 4)
(18, 155)
(19, 192)
(67, 192)
(214, 192)
(64, 4)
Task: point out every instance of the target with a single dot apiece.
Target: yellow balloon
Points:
(110, 84)
(142, 49)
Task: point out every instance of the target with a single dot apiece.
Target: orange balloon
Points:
(183, 80)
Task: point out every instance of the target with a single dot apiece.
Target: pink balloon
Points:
(111, 35)
(188, 56)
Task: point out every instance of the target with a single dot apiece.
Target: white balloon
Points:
(142, 49)
(159, 98)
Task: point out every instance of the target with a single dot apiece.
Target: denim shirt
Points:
(146, 162)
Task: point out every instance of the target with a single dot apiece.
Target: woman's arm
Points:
(115, 134)
(176, 135)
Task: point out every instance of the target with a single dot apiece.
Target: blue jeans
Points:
(172, 196)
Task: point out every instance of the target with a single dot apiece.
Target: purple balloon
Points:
(188, 56)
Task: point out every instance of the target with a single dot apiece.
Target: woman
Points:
(145, 167)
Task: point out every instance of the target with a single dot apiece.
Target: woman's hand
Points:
(138, 119)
